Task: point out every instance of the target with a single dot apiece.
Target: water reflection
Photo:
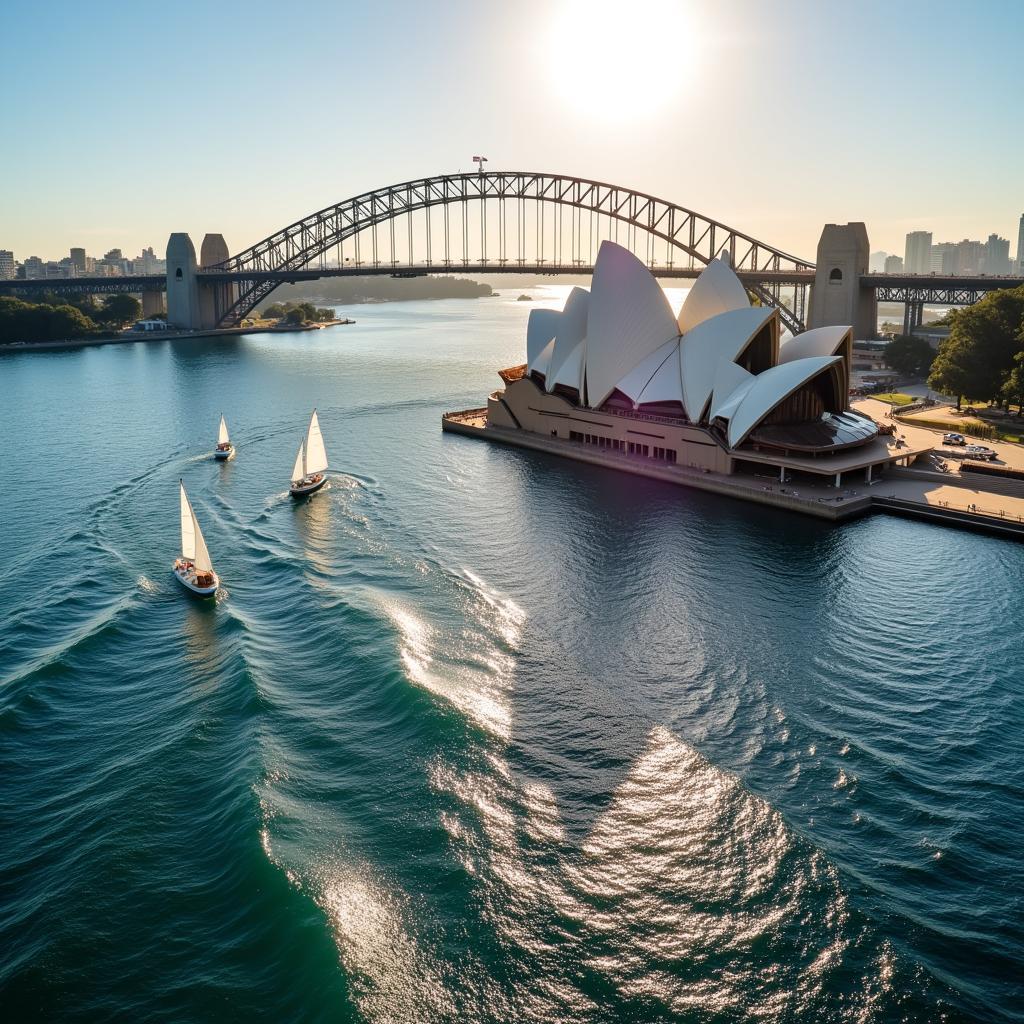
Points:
(672, 900)
(313, 519)
(199, 630)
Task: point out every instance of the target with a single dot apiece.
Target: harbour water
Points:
(474, 733)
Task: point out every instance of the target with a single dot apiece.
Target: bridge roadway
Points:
(945, 289)
(97, 285)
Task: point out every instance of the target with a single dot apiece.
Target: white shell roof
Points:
(572, 370)
(731, 384)
(543, 360)
(640, 376)
(717, 290)
(821, 341)
(540, 329)
(721, 338)
(569, 337)
(666, 385)
(770, 388)
(629, 318)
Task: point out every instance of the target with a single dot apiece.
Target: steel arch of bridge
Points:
(683, 230)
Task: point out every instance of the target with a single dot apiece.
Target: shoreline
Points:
(131, 337)
(901, 494)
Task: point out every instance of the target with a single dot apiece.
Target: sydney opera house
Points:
(717, 390)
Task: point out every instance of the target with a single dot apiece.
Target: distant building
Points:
(970, 256)
(6, 265)
(997, 256)
(113, 264)
(78, 258)
(943, 258)
(147, 262)
(56, 269)
(893, 265)
(917, 258)
(876, 262)
(1020, 246)
(33, 269)
(151, 263)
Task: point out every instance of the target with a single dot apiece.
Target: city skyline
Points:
(514, 83)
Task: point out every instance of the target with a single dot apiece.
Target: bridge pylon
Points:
(152, 303)
(214, 299)
(836, 295)
(182, 286)
(191, 302)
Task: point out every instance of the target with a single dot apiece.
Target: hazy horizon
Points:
(772, 119)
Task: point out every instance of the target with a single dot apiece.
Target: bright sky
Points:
(124, 121)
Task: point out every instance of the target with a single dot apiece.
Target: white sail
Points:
(299, 470)
(222, 434)
(316, 454)
(188, 533)
(202, 559)
(193, 546)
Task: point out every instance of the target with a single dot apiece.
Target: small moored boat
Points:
(225, 449)
(311, 462)
(193, 567)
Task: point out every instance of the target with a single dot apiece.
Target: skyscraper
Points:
(893, 264)
(997, 256)
(1020, 246)
(969, 257)
(78, 260)
(7, 264)
(944, 258)
(876, 262)
(918, 255)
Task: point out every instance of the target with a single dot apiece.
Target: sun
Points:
(611, 61)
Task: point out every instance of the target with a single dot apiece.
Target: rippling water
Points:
(475, 734)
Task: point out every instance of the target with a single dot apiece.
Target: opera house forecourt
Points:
(717, 398)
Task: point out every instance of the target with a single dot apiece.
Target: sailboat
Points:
(310, 463)
(225, 449)
(193, 567)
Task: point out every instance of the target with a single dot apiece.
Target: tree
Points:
(28, 321)
(1013, 389)
(70, 322)
(86, 303)
(305, 310)
(118, 310)
(910, 355)
(978, 356)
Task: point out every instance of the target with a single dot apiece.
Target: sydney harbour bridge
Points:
(501, 222)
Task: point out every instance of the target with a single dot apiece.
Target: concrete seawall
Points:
(472, 423)
(832, 510)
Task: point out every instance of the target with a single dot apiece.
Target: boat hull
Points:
(187, 577)
(223, 456)
(303, 491)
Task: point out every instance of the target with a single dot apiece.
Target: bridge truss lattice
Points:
(503, 221)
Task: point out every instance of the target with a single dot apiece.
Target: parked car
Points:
(953, 439)
(979, 451)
